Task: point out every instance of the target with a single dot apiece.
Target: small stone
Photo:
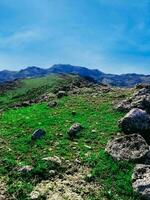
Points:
(89, 177)
(52, 172)
(26, 103)
(38, 134)
(55, 160)
(61, 94)
(77, 161)
(93, 131)
(52, 104)
(25, 169)
(74, 130)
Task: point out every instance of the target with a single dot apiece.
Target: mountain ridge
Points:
(123, 80)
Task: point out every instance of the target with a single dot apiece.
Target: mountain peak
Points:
(124, 80)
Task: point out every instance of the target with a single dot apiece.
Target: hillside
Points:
(15, 92)
(124, 80)
(80, 166)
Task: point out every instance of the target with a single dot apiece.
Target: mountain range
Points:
(124, 80)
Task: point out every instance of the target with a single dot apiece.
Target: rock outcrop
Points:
(140, 99)
(130, 147)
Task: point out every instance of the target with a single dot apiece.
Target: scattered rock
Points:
(141, 180)
(74, 130)
(136, 121)
(52, 104)
(140, 99)
(38, 134)
(25, 169)
(129, 147)
(61, 94)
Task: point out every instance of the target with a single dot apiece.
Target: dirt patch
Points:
(72, 185)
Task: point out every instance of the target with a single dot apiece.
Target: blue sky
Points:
(111, 35)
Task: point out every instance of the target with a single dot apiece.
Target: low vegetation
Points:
(97, 116)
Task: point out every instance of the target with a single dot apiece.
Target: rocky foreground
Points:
(134, 145)
(57, 178)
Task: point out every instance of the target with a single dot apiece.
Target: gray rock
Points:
(136, 121)
(140, 99)
(52, 104)
(74, 130)
(141, 180)
(52, 173)
(55, 160)
(124, 106)
(25, 104)
(61, 94)
(38, 134)
(25, 169)
(130, 147)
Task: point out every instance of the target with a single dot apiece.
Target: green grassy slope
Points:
(31, 88)
(16, 148)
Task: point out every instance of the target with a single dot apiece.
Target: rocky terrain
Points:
(66, 137)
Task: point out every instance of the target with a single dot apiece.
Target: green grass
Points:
(95, 113)
(32, 88)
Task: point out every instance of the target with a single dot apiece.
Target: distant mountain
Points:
(82, 71)
(124, 80)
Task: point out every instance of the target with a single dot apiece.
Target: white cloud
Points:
(19, 38)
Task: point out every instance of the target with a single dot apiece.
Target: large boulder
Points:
(141, 180)
(136, 121)
(130, 147)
